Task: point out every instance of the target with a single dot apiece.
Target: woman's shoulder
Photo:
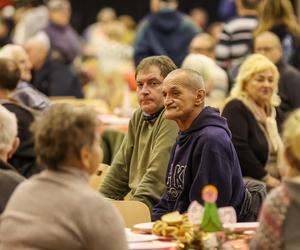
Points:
(235, 105)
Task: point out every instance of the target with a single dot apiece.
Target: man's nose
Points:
(145, 89)
(167, 100)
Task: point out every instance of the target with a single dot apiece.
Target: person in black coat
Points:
(9, 142)
(51, 75)
(250, 113)
(279, 17)
(268, 44)
(24, 159)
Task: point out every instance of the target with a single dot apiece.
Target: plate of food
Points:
(241, 226)
(134, 237)
(145, 227)
(156, 245)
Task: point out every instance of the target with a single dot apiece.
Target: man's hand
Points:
(271, 181)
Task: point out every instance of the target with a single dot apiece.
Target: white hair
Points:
(10, 51)
(58, 4)
(40, 39)
(8, 128)
(202, 64)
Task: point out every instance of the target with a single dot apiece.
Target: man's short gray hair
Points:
(192, 79)
(10, 51)
(40, 39)
(8, 128)
(54, 5)
(168, 4)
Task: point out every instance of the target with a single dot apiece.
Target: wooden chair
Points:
(133, 212)
(96, 179)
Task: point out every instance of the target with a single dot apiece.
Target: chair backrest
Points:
(96, 179)
(111, 143)
(133, 212)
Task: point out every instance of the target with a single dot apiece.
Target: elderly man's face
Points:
(61, 16)
(268, 47)
(179, 101)
(202, 46)
(149, 90)
(24, 64)
(37, 54)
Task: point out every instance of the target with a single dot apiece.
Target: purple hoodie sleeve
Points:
(161, 208)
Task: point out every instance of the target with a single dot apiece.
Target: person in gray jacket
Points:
(56, 209)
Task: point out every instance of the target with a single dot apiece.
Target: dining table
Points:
(140, 237)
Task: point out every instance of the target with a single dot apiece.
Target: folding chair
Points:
(133, 212)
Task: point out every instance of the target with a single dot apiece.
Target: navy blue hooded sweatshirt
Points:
(166, 32)
(202, 155)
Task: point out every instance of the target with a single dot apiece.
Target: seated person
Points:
(24, 92)
(139, 168)
(9, 142)
(57, 209)
(279, 221)
(203, 153)
(268, 44)
(24, 159)
(204, 44)
(250, 113)
(51, 75)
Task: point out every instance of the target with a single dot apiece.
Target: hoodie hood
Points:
(209, 117)
(166, 20)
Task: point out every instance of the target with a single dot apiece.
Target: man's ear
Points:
(85, 156)
(200, 97)
(14, 147)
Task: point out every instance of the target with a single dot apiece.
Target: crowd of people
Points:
(208, 104)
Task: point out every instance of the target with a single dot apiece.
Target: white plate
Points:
(156, 245)
(242, 226)
(145, 227)
(134, 237)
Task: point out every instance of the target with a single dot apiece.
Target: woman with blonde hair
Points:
(278, 17)
(250, 113)
(279, 217)
(56, 209)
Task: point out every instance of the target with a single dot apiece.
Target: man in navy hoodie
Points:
(165, 32)
(203, 153)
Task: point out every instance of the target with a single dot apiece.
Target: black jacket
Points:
(24, 159)
(288, 90)
(9, 179)
(248, 139)
(55, 78)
